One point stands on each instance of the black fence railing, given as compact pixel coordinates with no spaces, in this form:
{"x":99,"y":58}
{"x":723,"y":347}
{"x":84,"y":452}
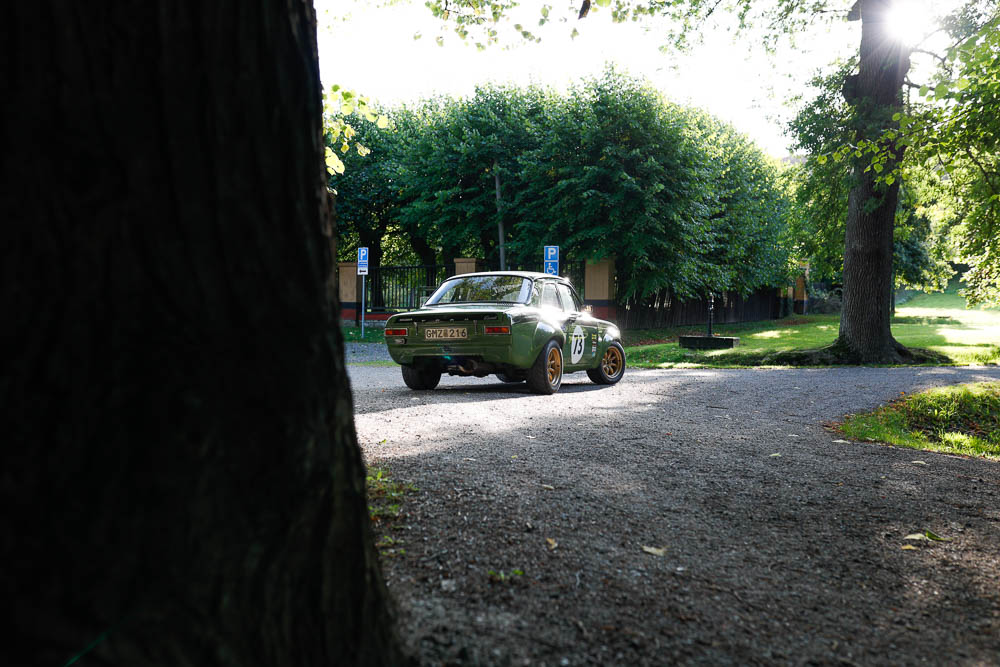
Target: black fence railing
{"x":664,"y":310}
{"x":400,"y":288}
{"x":391,"y":289}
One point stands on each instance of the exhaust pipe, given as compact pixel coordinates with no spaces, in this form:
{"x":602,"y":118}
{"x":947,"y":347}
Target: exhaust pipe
{"x":465,"y":366}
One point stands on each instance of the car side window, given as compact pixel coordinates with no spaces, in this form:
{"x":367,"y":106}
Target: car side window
{"x":566,"y":296}
{"x":550,"y":298}
{"x":536,"y":296}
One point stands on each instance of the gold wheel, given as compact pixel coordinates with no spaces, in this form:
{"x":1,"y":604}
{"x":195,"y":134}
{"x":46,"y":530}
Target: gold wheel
{"x":554,"y":365}
{"x":612,"y":361}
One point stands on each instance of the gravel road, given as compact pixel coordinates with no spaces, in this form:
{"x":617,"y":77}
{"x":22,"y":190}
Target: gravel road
{"x":681,"y":517}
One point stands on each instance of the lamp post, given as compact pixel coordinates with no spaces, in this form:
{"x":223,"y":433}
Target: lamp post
{"x":711,"y":311}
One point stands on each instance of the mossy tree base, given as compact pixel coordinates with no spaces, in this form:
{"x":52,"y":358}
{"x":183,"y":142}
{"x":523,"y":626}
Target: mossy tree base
{"x":840,"y":354}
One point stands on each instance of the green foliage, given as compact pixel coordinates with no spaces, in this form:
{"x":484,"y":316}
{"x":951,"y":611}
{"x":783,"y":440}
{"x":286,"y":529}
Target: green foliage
{"x":365,"y":185}
{"x":821,"y":188}
{"x":949,"y":204}
{"x":450,"y":165}
{"x":385,"y":495}
{"x":339,"y":105}
{"x":501,"y":577}
{"x":682,"y":200}
{"x":955,"y":129}
{"x":481,"y":21}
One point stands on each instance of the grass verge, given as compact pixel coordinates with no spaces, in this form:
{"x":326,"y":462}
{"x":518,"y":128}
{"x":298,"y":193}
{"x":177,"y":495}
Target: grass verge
{"x":937,"y":322}
{"x":373,"y":334}
{"x":963,"y":419}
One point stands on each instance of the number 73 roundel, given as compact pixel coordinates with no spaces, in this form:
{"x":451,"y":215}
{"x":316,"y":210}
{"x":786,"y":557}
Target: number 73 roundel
{"x":577,"y":343}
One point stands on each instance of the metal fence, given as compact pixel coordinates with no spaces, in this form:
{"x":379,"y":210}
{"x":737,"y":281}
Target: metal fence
{"x":399,"y":288}
{"x":664,"y":310}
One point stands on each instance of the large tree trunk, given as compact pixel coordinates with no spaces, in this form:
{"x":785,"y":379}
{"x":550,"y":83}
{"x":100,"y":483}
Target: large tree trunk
{"x":181,"y":482}
{"x":876,"y":94}
{"x":427,"y":254}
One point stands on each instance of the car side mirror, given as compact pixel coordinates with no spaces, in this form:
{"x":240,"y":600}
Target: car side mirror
{"x":423,"y":300}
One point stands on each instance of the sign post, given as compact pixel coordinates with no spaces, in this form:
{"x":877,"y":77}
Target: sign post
{"x":362,"y":271}
{"x":550,"y":260}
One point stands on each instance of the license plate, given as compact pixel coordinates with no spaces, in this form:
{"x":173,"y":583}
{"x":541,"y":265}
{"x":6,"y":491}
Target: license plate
{"x":446,"y":333}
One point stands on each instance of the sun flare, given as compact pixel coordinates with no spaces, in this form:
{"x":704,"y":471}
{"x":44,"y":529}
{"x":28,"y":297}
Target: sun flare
{"x":910,"y":21}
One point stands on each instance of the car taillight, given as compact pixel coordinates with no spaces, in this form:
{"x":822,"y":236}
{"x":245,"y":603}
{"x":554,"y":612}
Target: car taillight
{"x":395,"y":332}
{"x":498,"y":330}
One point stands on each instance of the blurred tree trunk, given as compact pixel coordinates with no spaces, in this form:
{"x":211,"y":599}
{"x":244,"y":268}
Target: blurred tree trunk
{"x":181,"y":482}
{"x":876,"y":94}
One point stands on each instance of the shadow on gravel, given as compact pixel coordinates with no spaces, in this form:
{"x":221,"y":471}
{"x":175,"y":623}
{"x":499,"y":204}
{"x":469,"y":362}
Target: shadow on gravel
{"x":756,"y":558}
{"x":462,"y":393}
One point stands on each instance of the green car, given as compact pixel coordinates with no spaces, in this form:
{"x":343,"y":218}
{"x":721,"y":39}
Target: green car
{"x":520,"y":326}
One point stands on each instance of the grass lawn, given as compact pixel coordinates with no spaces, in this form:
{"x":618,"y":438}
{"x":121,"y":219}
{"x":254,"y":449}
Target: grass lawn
{"x":962,"y":420}
{"x":374,"y":334}
{"x":939,"y":322}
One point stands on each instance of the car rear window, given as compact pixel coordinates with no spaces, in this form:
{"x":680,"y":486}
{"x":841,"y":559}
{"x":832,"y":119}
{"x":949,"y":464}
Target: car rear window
{"x":482,"y":289}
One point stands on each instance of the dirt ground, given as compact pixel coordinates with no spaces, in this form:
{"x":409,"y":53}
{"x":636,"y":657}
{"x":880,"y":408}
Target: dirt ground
{"x":680,"y":517}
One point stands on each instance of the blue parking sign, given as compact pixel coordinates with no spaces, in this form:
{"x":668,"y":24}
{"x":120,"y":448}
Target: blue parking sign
{"x":550,"y":260}
{"x":362,"y":261}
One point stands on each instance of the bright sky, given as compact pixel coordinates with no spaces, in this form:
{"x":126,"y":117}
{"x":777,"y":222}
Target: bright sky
{"x":374,"y":53}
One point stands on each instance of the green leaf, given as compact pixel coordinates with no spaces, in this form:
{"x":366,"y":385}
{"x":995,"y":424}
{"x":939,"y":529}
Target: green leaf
{"x":897,"y":116}
{"x":936,"y":538}
{"x":821,"y":159}
{"x":962,"y":84}
{"x":382,"y":122}
{"x":333,"y":163}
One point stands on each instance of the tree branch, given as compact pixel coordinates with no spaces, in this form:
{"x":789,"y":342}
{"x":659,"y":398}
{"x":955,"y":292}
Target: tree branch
{"x":941,"y":59}
{"x":987,"y":176}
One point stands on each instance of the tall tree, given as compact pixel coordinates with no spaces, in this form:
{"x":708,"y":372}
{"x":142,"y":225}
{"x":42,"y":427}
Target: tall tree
{"x":875,"y":93}
{"x":181,"y":478}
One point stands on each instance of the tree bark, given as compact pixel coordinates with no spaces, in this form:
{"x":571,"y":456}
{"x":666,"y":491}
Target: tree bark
{"x":876,"y":94}
{"x":181,"y":482}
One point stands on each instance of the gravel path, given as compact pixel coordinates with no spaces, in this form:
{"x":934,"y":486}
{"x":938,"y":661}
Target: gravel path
{"x":361,"y":352}
{"x":681,"y":516}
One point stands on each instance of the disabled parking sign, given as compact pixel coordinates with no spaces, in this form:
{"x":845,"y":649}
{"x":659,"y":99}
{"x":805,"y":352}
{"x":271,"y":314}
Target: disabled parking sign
{"x":550,"y":260}
{"x":362,"y":261}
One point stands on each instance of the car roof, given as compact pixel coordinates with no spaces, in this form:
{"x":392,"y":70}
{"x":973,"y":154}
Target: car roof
{"x":534,"y":275}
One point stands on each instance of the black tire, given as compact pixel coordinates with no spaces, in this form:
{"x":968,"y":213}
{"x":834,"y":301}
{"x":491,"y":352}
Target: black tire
{"x":611,"y":367}
{"x":545,"y":375}
{"x":508,"y":378}
{"x":421,"y":377}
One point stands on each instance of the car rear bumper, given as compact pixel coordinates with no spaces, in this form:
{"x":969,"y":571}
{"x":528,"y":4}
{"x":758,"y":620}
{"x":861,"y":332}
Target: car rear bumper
{"x":503,"y":351}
